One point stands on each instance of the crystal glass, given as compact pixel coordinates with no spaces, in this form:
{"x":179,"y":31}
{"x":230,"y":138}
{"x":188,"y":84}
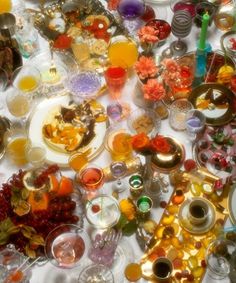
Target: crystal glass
{"x":181,"y":26}
{"x":183,"y":5}
{"x":224,"y":17}
{"x":195,"y":123}
{"x":78,"y":160}
{"x":118,"y":170}
{"x":178,"y":111}
{"x":114,"y":111}
{"x":115,"y":77}
{"x":144,"y":121}
{"x":84,"y":85}
{"x":103,"y":212}
{"x":66,"y":246}
{"x":27,"y":79}
{"x":96,"y":273}
{"x":36,"y":155}
{"x":131,"y":9}
{"x":220,"y":256}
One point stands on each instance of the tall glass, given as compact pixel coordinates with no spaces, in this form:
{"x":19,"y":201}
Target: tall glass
{"x":122,"y":52}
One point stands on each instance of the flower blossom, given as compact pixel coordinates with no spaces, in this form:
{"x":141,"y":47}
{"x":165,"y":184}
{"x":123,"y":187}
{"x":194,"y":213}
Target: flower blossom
{"x":148,"y":34}
{"x":146,"y":67}
{"x":113,"y":4}
{"x":140,"y":142}
{"x":128,"y":209}
{"x":153,"y":90}
{"x":171,"y":70}
{"x":160,"y":144}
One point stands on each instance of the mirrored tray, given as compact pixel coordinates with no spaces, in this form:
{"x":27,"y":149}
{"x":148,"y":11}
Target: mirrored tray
{"x":35,"y":126}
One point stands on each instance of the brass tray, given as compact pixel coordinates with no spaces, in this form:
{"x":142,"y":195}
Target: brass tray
{"x":215,"y":116}
{"x":185,"y":249}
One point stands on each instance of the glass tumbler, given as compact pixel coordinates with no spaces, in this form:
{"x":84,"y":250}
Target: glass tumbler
{"x":178,"y":111}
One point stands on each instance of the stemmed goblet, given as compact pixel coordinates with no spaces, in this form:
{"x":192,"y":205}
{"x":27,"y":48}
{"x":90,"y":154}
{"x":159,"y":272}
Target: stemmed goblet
{"x":181,"y":26}
{"x":118,"y":170}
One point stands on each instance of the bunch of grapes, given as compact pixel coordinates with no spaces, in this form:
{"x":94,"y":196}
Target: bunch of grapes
{"x":42,"y":178}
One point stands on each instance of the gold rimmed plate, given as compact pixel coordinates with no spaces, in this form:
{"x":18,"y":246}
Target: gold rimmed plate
{"x":231,"y":204}
{"x":35,"y":126}
{"x":215,"y":101}
{"x":167,"y":162}
{"x":196,"y":229}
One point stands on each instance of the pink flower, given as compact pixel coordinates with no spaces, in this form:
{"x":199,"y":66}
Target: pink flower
{"x":148,"y":34}
{"x":171,"y":70}
{"x":153,"y":90}
{"x":113,"y":4}
{"x":146,"y":67}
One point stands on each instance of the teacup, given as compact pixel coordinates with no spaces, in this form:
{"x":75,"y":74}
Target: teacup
{"x":198,"y":211}
{"x":162,"y":270}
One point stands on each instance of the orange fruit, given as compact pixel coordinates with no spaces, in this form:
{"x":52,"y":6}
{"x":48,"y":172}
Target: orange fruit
{"x":38,"y":201}
{"x":65,"y":186}
{"x":54,"y":184}
{"x":16,"y":276}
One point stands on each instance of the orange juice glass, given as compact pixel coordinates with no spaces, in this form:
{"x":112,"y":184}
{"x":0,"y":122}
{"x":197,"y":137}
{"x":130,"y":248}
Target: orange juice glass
{"x":17,"y":144}
{"x":118,"y":144}
{"x":122,"y":51}
{"x":78,"y":160}
{"x":5,"y":6}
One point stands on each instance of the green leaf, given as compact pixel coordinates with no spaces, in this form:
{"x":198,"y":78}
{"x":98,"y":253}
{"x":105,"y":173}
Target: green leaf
{"x":28,"y":231}
{"x":6,"y":224}
{"x":37,"y":240}
{"x":3,"y":238}
{"x":13,"y":230}
{"x":15,"y":199}
{"x":29,"y":252}
{"x":25,"y":194}
{"x":130,"y":228}
{"x":122,"y":222}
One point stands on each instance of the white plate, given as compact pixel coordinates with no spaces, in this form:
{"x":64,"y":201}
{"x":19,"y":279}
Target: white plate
{"x":231,"y":204}
{"x":35,"y":131}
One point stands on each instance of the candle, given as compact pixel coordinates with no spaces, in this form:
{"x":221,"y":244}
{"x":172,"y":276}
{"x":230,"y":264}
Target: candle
{"x":203,"y":34}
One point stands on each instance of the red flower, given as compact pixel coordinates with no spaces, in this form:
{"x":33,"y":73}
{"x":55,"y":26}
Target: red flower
{"x":160,"y":144}
{"x":146,"y":67}
{"x":140,"y":142}
{"x":148,"y":34}
{"x":153,"y":90}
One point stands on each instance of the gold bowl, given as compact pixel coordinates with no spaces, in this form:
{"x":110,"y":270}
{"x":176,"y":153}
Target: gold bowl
{"x":167,"y":162}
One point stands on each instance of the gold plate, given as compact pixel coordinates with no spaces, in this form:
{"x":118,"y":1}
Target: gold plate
{"x":196,"y":229}
{"x":167,"y":162}
{"x":216,"y":116}
{"x":231,"y":204}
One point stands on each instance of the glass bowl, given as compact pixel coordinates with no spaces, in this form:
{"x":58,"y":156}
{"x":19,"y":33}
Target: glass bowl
{"x":84,"y":85}
{"x":66,"y":246}
{"x":144,"y":121}
{"x":96,"y":273}
{"x":164,"y":29}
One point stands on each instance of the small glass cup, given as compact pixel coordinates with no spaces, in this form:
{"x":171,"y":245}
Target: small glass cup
{"x":36,"y":155}
{"x":219,"y":257}
{"x":27,"y":79}
{"x":96,"y":273}
{"x":201,"y":8}
{"x":136,"y":185}
{"x":131,"y":9}
{"x":78,"y":160}
{"x":178,"y":111}
{"x":224,"y":18}
{"x":162,"y":270}
{"x":186,"y":5}
{"x":144,"y":205}
{"x":195,"y":123}
{"x":133,"y":272}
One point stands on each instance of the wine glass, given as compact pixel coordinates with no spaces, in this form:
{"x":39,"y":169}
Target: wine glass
{"x":27,"y":79}
{"x":186,"y":5}
{"x":224,"y":17}
{"x":118,"y":170}
{"x":66,"y":246}
{"x":18,"y":104}
{"x":96,"y":273}
{"x":181,"y":26}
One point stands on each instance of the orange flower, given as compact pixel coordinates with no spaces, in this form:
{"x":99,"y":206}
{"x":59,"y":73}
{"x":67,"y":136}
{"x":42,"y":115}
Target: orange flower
{"x":160,"y":144}
{"x":153,"y":90}
{"x":140,"y":142}
{"x":146,"y":67}
{"x":148,"y":34}
{"x":112,"y":4}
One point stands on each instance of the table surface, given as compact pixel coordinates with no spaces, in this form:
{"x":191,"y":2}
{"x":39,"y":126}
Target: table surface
{"x":50,"y":274}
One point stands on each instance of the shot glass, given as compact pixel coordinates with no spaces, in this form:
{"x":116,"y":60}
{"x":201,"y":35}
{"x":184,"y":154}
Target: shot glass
{"x":195,"y":123}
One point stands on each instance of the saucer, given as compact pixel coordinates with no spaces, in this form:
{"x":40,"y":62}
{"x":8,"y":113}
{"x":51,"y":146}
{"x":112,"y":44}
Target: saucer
{"x":196,"y":229}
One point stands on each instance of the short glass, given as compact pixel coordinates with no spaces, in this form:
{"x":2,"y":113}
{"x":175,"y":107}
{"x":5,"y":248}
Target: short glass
{"x":224,"y":18}
{"x":36,"y":155}
{"x":219,"y":257}
{"x":103,"y":212}
{"x":200,"y":9}
{"x":186,"y":5}
{"x":131,"y":9}
{"x":195,"y":123}
{"x":178,"y":111}
{"x":133,"y":272}
{"x":66,"y":246}
{"x":17,"y":143}
{"x":27,"y":79}
{"x":96,"y":273}
{"x":162,"y":270}
{"x":78,"y":160}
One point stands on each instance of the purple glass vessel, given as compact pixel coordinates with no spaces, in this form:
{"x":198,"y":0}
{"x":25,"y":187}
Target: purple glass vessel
{"x":131,"y":9}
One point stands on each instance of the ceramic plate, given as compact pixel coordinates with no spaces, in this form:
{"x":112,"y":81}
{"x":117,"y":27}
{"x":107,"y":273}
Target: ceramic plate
{"x":35,"y":126}
{"x":216,"y":114}
{"x":196,"y":229}
{"x":231,"y":204}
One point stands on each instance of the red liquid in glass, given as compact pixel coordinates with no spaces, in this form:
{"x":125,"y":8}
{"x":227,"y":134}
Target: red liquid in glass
{"x":115,"y":79}
{"x":149,"y":14}
{"x":92,"y":178}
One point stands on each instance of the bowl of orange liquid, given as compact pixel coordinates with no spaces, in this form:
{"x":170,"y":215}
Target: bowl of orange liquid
{"x":118,"y":143}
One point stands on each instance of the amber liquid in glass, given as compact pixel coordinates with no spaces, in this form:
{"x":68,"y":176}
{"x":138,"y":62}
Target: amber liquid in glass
{"x":92,"y":178}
